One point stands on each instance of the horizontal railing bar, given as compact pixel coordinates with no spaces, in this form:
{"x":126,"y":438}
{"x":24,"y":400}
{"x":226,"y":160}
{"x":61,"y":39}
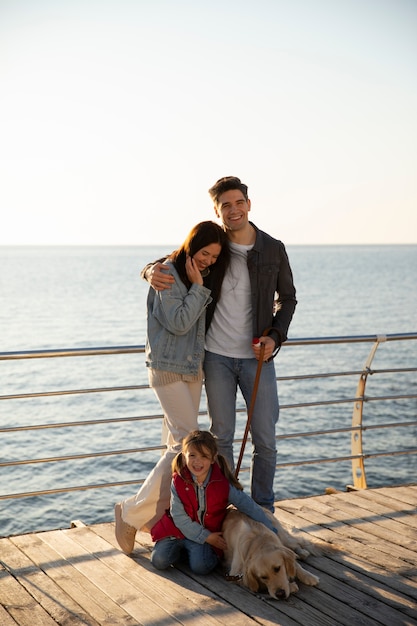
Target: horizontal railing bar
{"x":71,"y":392}
{"x":346,"y":401}
{"x":75,"y":457}
{"x":345,"y":458}
{"x":399,"y":370}
{"x":66,"y":352}
{"x":334,"y":431}
{"x":243,"y":469}
{"x":95,"y":351}
{"x":405,"y":396}
{"x":298,"y":377}
{"x":374,"y":455}
{"x":64,"y":392}
{"x":12,"y":429}
{"x":101,"y":351}
{"x":47,"y":492}
{"x":350,"y":339}
{"x":67,"y":392}
{"x":306,"y":434}
{"x":238,"y":410}
{"x":394,"y":370}
{"x":387,"y":425}
{"x":319,"y":375}
{"x":110,"y":420}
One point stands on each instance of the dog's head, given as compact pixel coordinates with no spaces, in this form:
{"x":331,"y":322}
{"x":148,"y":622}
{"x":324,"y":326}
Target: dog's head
{"x":272,"y":571}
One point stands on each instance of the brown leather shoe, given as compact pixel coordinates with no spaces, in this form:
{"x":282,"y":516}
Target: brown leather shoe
{"x":125,"y":534}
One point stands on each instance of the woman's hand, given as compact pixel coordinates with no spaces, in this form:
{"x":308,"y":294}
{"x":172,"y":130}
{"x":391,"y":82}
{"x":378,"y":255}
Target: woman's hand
{"x":193,"y":273}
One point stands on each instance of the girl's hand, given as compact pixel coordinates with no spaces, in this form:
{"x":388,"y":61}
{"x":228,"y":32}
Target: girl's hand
{"x":216,"y":540}
{"x":193,"y":273}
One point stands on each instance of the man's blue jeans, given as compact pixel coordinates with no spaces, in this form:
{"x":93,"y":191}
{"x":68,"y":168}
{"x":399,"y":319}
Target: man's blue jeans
{"x":201,"y":557}
{"x":223,"y":376}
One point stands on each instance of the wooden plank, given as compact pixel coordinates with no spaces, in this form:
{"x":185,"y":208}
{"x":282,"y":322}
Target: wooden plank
{"x":385,"y":505}
{"x":342,"y":549}
{"x":264,"y":611}
{"x":58,"y":604}
{"x":341,"y":587}
{"x":158,"y":587}
{"x":367,"y":574}
{"x":397,"y":532}
{"x":237,"y":608}
{"x":82,"y":590}
{"x":19,"y":604}
{"x":403,"y":493}
{"x":355,"y":602}
{"x":119,"y":591}
{"x":341,"y":572}
{"x":5,"y":618}
{"x":318,"y":605}
{"x":348,"y":538}
{"x":251,"y":605}
{"x":268,"y":611}
{"x":359,"y":529}
{"x":310,"y":605}
{"x":389,"y":498}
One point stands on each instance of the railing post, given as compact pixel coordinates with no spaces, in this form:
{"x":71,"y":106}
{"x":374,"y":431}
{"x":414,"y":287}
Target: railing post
{"x":358,"y":463}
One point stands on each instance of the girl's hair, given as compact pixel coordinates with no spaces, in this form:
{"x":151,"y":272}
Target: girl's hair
{"x":201,"y":235}
{"x":204,"y":441}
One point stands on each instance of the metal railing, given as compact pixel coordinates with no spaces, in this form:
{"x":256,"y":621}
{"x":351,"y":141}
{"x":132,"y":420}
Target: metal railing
{"x":356,"y":428}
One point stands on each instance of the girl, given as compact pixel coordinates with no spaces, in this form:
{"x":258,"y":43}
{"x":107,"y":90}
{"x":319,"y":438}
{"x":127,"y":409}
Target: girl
{"x":176,"y":320}
{"x":202,"y":487}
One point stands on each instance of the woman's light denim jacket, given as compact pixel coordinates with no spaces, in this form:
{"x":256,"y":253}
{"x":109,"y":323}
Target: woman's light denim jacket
{"x":176,"y":326}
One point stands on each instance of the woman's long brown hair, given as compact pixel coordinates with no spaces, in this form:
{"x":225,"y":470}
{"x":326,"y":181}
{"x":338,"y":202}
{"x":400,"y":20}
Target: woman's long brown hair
{"x":201,"y":235}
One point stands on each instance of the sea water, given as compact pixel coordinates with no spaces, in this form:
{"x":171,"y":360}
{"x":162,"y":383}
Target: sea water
{"x":75,"y":297}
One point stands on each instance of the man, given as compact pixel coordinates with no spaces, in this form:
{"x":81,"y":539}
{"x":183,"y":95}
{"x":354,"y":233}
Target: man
{"x":257,"y":299}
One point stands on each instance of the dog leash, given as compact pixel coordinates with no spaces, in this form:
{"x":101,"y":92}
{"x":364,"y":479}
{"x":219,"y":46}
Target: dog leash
{"x":252,"y":401}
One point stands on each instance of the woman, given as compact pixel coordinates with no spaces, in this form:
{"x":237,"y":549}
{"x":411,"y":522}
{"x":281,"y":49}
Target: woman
{"x":176,"y":320}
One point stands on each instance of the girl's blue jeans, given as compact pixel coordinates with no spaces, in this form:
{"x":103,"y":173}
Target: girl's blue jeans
{"x":202,"y":558}
{"x":223,"y":376}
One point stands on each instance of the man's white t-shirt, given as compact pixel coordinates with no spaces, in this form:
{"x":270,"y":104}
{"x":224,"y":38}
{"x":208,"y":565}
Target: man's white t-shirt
{"x":230,"y":331}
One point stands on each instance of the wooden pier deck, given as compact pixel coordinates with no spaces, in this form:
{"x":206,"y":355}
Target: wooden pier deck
{"x":79,"y":576}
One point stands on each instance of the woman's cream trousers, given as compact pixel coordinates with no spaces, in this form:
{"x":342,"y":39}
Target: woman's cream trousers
{"x":180,"y":402}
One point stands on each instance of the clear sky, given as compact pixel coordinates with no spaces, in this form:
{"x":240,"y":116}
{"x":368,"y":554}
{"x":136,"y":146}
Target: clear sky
{"x":116,"y":116}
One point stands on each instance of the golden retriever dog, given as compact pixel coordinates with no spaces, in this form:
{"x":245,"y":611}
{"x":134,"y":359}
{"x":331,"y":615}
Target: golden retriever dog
{"x":262,"y":560}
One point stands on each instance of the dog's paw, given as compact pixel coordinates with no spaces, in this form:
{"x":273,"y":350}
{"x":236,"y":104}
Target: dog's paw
{"x":306,"y":577}
{"x":311,"y":579}
{"x":302,"y":553}
{"x":293,"y":587}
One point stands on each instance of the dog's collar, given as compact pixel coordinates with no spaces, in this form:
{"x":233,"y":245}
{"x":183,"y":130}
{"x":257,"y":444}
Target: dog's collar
{"x":233,"y":579}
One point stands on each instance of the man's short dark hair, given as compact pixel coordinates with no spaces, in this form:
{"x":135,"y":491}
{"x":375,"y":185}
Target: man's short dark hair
{"x":226,"y":184}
